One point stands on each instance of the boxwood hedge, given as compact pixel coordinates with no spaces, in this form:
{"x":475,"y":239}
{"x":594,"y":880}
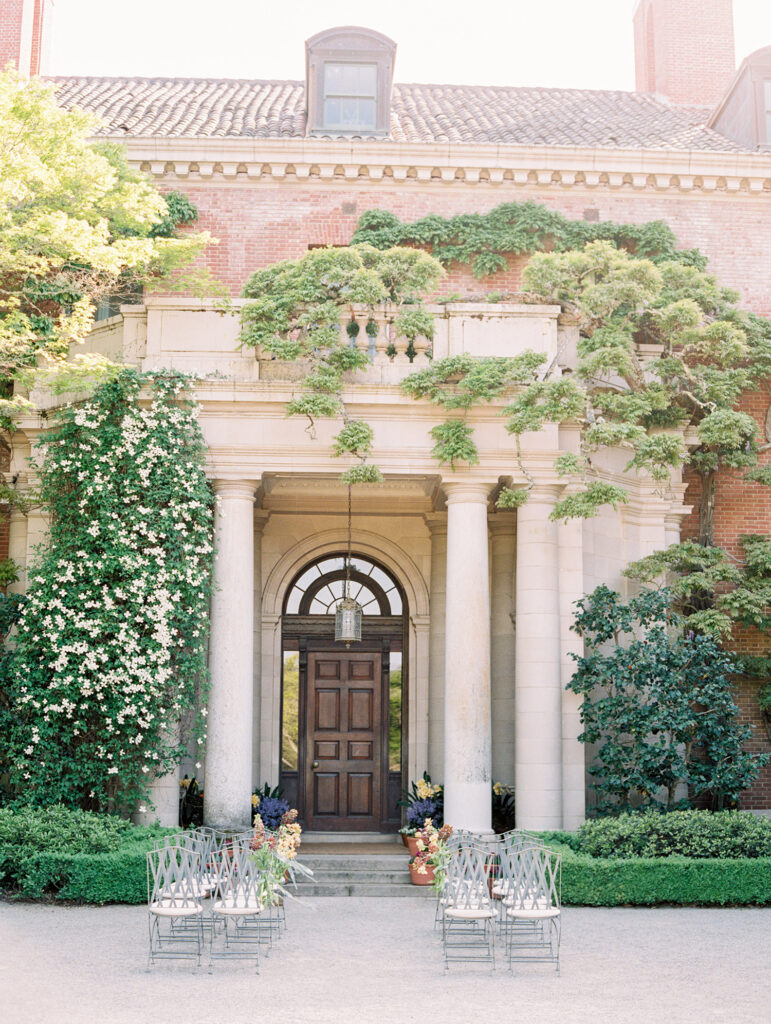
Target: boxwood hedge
{"x":73,"y":855}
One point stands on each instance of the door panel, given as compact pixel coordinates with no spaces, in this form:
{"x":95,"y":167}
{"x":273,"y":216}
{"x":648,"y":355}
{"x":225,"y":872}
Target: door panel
{"x":345,"y":772}
{"x":327,"y":714}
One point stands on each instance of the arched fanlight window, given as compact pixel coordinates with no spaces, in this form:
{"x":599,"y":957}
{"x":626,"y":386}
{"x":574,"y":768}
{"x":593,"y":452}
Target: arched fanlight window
{"x":319,"y":588}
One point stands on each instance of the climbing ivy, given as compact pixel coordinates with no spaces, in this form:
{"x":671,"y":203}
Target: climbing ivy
{"x":296,"y":311}
{"x":485,"y":240}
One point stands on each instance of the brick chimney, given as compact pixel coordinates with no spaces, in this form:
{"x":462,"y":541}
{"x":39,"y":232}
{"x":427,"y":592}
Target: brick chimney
{"x":684,"y":49}
{"x":25,"y":32}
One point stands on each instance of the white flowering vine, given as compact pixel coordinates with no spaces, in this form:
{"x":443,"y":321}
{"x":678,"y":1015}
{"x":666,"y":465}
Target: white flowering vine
{"x":108,"y":674}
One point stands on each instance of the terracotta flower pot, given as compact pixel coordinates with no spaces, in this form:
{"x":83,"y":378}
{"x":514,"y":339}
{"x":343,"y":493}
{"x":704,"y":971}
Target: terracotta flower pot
{"x":421,"y":879}
{"x":411,"y":843}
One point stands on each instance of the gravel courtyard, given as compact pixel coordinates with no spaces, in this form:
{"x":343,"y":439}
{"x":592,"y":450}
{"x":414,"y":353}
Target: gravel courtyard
{"x":377,"y":961}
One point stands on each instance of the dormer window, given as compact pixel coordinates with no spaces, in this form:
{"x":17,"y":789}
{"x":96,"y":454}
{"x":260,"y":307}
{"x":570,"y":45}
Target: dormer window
{"x":349,"y":72}
{"x":350,"y":97}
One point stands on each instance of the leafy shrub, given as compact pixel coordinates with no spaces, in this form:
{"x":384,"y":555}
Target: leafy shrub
{"x":695,"y":834}
{"x":59,"y":829}
{"x":74,"y":855}
{"x":659,"y":705}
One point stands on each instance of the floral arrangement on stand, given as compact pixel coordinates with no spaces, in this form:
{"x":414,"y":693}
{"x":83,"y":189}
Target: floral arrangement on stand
{"x":275,"y":853}
{"x":428,"y":863}
{"x":424,"y":799}
{"x":270,"y":805}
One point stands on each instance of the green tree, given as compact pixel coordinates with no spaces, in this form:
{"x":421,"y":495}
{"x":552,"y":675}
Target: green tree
{"x":77,"y":223}
{"x":658,"y":703}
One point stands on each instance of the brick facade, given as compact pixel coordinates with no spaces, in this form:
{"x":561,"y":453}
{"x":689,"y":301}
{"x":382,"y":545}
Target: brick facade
{"x":258,"y":223}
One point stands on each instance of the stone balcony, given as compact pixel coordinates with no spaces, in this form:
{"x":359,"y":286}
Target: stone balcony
{"x":193,"y":336}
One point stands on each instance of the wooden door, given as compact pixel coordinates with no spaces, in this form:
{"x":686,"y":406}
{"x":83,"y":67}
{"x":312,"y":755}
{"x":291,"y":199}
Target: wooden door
{"x":344,"y":771}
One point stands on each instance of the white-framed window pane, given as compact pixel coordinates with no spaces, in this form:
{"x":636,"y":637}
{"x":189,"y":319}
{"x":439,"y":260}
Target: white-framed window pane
{"x":332,"y":112}
{"x":350,"y":79}
{"x":293,"y":604}
{"x":366,"y":113}
{"x":396,"y":602}
{"x":349,"y":112}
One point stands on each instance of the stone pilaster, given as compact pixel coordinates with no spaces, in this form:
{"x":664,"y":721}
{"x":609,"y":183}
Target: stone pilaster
{"x":467,"y":737}
{"x":503,"y":533}
{"x":437,"y":525}
{"x":538,"y":734}
{"x":260,"y":522}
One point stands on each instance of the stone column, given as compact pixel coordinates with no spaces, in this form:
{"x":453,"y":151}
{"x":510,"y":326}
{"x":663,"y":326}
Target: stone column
{"x":228,"y":781}
{"x":503,"y":531}
{"x":571,"y":580}
{"x":437,"y":525}
{"x":538,"y":733}
{"x":467,"y":739}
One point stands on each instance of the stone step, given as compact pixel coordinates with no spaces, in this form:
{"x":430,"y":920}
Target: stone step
{"x":358,"y":874}
{"x":365,"y":889}
{"x":364,"y":864}
{"x":360,"y":877}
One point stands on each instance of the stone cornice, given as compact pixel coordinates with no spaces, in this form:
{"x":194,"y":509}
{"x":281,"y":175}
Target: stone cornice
{"x":334,"y":161}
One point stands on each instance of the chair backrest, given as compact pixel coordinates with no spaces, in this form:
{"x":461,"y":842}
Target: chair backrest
{"x":238,"y":881}
{"x":532,"y":876}
{"x":173,"y":870}
{"x":467,"y":884}
{"x":519,"y":839}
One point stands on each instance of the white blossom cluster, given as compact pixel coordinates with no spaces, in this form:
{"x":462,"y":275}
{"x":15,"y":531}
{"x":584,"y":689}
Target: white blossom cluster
{"x":111,"y":647}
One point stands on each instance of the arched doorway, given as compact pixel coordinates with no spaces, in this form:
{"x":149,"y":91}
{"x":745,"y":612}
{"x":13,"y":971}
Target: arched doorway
{"x":343,"y":711}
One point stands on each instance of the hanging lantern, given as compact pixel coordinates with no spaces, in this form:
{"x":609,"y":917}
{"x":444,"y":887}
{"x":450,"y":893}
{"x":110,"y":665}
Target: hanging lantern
{"x":348,"y":612}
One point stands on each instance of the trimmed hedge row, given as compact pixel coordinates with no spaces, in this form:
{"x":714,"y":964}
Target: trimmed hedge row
{"x":119,"y":877}
{"x":647,"y":881}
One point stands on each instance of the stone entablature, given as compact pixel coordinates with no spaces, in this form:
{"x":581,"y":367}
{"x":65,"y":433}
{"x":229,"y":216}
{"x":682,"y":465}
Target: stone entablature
{"x":572,"y":167}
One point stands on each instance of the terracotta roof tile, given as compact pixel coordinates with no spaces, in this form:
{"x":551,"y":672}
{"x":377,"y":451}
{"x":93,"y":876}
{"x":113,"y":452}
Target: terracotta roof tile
{"x":239,"y":108}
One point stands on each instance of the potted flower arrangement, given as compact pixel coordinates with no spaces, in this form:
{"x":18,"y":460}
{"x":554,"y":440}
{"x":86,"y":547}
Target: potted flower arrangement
{"x":270,"y":806}
{"x":427,"y":863}
{"x":424,"y":799}
{"x":274,"y":851}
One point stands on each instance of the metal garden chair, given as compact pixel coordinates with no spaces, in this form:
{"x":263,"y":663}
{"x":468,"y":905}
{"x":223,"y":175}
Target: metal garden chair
{"x":532,"y":877}
{"x":174,"y":903}
{"x":239,"y":901}
{"x":468,"y":913}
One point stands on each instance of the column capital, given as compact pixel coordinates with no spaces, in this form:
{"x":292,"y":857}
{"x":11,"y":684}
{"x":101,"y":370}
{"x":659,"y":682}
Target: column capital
{"x":436,"y":522}
{"x":244,"y":489}
{"x":471,"y":491}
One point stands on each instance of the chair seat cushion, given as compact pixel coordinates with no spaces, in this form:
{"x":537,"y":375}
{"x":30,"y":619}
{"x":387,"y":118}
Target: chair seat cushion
{"x":237,"y":908}
{"x":471,"y":913}
{"x":170,"y":908}
{"x":535,"y":914}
